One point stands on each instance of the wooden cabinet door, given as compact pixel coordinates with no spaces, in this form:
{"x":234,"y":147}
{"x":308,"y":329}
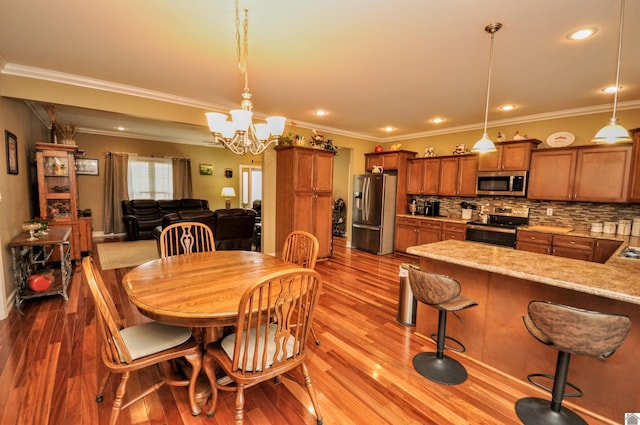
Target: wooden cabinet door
{"x":533,"y":247}
{"x":323,"y":172}
{"x":552,"y":174}
{"x":429,"y":231}
{"x":604,"y":249}
{"x":467,"y":170}
{"x":406,"y":236}
{"x":491,"y":161}
{"x":454,"y":231}
{"x":304,"y":175}
{"x":516,"y":157}
{"x":414,"y":177}
{"x":576,"y":254}
{"x":448,"y":181}
{"x":430,"y":176}
{"x":602,"y":174}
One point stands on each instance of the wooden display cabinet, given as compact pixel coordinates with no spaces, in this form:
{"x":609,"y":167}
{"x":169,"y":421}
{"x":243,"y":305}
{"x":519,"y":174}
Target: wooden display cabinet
{"x":57,"y":189}
{"x":304,"y":195}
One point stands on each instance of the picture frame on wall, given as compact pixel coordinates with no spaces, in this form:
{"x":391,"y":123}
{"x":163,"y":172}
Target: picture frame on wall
{"x":87,"y":166}
{"x":206,"y":169}
{"x":12,"y":152}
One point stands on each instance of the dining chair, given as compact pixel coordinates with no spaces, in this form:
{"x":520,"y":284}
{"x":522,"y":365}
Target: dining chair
{"x":261,"y":348}
{"x":301,"y":248}
{"x":129,"y":348}
{"x":186,"y":237}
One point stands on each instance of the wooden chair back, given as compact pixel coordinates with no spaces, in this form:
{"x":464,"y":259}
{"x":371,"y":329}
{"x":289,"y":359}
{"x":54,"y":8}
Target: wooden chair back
{"x":186,"y":237}
{"x":109,"y":321}
{"x":273,"y":323}
{"x":301,"y":248}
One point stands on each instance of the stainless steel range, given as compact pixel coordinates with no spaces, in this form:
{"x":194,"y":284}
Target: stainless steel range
{"x":498,"y":225}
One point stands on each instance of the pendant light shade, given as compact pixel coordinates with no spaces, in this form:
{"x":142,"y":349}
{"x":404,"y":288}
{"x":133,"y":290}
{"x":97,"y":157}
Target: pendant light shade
{"x":614,"y":132}
{"x":485,"y":144}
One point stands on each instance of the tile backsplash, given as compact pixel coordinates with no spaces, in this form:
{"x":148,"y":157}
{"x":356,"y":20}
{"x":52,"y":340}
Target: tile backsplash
{"x":578,"y":215}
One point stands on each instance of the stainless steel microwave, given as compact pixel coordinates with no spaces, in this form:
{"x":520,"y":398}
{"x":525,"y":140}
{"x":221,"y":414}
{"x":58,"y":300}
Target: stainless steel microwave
{"x":502,"y":183}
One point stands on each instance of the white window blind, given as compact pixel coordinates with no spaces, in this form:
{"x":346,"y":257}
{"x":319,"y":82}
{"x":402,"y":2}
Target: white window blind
{"x":150,"y":178}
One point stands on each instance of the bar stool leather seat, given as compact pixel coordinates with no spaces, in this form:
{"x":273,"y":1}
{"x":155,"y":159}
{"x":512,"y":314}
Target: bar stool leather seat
{"x":569,"y":330}
{"x":443,"y":293}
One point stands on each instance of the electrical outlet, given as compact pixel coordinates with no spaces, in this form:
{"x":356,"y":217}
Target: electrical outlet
{"x":549,"y":211}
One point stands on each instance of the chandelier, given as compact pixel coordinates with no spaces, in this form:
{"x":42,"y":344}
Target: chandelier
{"x":485,"y":144}
{"x":241,"y":135}
{"x":614,"y":132}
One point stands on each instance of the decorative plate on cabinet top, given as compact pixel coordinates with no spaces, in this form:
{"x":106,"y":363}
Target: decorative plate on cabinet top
{"x":560,"y":139}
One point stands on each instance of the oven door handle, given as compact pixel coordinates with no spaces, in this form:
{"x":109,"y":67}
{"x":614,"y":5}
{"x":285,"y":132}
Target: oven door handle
{"x":491,"y":229}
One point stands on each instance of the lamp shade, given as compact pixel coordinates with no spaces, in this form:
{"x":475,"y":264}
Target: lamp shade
{"x":228,"y":192}
{"x":612,"y":133}
{"x":484,"y":145}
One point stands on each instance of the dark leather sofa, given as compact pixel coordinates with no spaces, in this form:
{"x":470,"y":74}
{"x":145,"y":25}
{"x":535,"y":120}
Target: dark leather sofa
{"x":142,"y":216}
{"x":232,"y":228}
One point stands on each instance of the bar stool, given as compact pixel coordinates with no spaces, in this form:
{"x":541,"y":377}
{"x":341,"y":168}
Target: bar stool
{"x":569,"y":330}
{"x":443,"y":293}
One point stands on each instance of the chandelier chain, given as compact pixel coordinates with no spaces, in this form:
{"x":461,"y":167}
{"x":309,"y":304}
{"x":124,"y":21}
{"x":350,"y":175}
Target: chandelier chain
{"x":242,"y":45}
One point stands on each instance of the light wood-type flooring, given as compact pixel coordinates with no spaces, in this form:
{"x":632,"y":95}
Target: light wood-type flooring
{"x":362,"y":371}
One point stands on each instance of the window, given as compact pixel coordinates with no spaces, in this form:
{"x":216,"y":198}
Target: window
{"x":150,"y":178}
{"x":250,"y":184}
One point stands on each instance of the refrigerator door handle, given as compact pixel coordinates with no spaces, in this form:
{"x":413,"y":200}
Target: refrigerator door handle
{"x":366,"y":198}
{"x":366,"y":226}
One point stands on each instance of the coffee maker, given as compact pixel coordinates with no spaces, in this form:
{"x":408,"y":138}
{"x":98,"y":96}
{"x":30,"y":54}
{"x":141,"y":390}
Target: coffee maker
{"x":432,"y":208}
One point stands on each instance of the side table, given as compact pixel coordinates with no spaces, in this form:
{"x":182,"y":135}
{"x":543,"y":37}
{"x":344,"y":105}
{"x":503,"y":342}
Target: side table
{"x":30,"y":257}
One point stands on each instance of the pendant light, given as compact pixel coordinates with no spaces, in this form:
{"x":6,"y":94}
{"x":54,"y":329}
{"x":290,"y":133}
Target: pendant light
{"x":614,"y":132}
{"x":485,"y":144}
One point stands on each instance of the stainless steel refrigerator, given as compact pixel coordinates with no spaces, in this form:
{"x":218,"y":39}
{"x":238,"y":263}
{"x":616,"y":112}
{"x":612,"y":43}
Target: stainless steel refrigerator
{"x":374,"y":210}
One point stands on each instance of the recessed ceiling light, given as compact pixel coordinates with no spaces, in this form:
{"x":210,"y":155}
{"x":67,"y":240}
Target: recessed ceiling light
{"x":389,"y":129}
{"x":121,"y":128}
{"x":507,"y":107}
{"x":581,"y":34}
{"x":611,"y":89}
{"x":437,"y":120}
{"x":321,"y":112}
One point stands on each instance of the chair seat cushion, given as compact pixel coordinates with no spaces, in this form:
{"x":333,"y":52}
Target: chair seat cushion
{"x":229,"y":341}
{"x":153,"y":337}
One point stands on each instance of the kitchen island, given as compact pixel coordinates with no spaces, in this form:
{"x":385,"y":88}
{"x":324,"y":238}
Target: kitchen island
{"x":503,"y":281}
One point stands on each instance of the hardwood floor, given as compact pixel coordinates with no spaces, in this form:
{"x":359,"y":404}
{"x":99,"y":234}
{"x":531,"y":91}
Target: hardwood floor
{"x":362,"y":371}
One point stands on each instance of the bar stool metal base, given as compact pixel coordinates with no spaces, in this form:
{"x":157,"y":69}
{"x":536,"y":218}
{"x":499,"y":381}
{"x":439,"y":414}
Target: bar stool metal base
{"x":446,"y":370}
{"x":537,"y":411}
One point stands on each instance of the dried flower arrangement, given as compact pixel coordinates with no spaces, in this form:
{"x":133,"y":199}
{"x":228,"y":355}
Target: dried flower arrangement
{"x":67,"y":132}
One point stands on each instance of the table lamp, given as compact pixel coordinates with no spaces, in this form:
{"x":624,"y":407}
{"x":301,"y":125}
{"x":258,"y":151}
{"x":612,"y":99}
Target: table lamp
{"x":228,"y":193}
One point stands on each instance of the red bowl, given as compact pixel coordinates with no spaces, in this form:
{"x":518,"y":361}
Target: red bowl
{"x":39,"y":283}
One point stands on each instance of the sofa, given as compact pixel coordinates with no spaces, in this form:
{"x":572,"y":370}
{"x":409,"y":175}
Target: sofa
{"x":232,"y":228}
{"x":142,"y":216}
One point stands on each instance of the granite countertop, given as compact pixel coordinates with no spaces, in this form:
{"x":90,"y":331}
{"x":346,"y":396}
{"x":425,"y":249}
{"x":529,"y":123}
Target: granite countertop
{"x":438,"y":218}
{"x":616,"y":279}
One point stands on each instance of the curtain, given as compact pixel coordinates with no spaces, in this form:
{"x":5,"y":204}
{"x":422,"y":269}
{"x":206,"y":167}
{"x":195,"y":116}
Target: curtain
{"x":182,"y":187}
{"x":116,"y":190}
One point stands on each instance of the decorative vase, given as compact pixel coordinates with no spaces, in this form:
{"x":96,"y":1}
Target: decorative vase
{"x":68,"y":142}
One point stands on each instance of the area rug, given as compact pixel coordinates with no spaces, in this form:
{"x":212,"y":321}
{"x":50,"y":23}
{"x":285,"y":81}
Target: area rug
{"x":115,"y":255}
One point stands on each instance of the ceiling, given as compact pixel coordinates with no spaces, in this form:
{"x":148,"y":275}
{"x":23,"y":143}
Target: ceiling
{"x":369,"y":63}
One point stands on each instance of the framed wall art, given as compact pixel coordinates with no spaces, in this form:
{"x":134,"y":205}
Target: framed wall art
{"x":206,"y":169}
{"x":87,"y":166}
{"x":12,"y":152}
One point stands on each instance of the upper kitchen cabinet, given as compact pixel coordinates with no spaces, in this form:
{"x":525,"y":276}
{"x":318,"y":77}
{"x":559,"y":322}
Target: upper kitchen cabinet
{"x":510,"y":156}
{"x":591,"y":174}
{"x":392,"y":160}
{"x":634,"y":193}
{"x":423,"y":175}
{"x":458,"y":175}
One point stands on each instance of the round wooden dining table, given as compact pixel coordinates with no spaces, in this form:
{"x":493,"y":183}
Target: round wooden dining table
{"x":198,"y":290}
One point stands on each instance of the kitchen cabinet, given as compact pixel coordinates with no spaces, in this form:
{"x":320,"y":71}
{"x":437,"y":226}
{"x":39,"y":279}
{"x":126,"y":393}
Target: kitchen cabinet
{"x":456,"y":231}
{"x":538,"y":242}
{"x":57,"y":189}
{"x":575,"y":247}
{"x":392,"y":160}
{"x":604,"y":249}
{"x":591,"y":174}
{"x":85,"y":230}
{"x":423,"y":176}
{"x":304,"y":194}
{"x":458,"y":175}
{"x":510,"y":156}
{"x":634,"y":192}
